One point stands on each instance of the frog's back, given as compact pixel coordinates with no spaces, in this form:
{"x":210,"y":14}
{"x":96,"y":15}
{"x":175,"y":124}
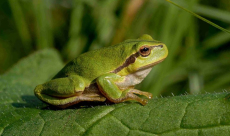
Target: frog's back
{"x":93,"y":64}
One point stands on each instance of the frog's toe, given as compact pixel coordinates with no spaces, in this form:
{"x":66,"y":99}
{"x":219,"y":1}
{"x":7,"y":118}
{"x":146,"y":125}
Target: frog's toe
{"x":146,"y":94}
{"x":149,"y":96}
{"x":144,"y":102}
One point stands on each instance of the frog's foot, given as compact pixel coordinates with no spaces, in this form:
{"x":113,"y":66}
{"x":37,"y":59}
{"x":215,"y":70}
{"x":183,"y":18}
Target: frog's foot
{"x":131,"y":96}
{"x":128,"y":95}
{"x":146,"y":94}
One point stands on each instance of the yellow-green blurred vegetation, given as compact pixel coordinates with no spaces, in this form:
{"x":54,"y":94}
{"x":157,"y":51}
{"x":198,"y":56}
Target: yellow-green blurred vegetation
{"x":199,"y":54}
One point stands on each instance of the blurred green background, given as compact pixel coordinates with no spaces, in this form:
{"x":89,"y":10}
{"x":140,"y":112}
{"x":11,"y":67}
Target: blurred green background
{"x":199,"y":54}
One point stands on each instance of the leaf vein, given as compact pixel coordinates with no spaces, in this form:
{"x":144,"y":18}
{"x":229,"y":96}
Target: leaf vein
{"x":97,"y":122}
{"x":42,"y":125}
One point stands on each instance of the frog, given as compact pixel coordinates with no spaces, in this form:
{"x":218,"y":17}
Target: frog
{"x":108,"y":74}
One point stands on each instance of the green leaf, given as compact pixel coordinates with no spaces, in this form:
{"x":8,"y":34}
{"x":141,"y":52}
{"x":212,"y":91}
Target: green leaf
{"x":21,"y":113}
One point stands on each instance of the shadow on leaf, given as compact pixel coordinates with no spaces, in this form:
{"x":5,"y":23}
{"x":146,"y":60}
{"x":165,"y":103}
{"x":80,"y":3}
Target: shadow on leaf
{"x":30,"y":102}
{"x":80,"y":105}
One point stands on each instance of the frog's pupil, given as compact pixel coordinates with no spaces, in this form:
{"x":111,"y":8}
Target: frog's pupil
{"x":145,"y":49}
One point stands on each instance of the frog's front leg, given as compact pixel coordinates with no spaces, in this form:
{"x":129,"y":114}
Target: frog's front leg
{"x":107,"y":84}
{"x":64,"y":92}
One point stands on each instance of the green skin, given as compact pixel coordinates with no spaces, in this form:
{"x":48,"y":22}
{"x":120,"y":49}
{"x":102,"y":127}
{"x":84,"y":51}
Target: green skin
{"x":108,"y":73}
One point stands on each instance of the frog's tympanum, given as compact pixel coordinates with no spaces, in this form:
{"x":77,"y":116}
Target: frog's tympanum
{"x":109,"y":73}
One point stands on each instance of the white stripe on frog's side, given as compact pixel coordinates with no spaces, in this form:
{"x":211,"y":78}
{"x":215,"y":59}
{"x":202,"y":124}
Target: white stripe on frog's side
{"x":134,"y":78}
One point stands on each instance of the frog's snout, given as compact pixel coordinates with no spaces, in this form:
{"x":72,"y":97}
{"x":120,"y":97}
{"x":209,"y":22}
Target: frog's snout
{"x":161,"y":46}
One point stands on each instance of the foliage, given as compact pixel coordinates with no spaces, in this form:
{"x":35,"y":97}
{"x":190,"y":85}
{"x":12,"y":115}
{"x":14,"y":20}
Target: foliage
{"x":22,"y":114}
{"x":198,"y":58}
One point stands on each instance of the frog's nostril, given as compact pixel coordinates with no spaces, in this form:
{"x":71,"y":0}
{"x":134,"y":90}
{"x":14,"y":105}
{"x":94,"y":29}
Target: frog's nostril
{"x":160,"y":46}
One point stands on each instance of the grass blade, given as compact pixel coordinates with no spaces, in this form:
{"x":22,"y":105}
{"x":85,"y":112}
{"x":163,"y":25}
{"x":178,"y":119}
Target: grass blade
{"x":21,"y":24}
{"x":200,"y":17}
{"x":216,"y":40}
{"x":77,"y":42}
{"x":43,"y":24}
{"x":213,"y":13}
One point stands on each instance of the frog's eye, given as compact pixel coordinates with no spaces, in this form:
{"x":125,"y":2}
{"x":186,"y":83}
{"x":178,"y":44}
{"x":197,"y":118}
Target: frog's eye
{"x":145,"y":50}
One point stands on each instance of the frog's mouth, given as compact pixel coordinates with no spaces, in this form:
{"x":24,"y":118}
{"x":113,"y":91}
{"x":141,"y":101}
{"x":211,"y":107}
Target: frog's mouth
{"x":150,"y":65}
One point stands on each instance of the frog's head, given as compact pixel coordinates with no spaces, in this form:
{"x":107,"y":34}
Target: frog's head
{"x":146,"y":53}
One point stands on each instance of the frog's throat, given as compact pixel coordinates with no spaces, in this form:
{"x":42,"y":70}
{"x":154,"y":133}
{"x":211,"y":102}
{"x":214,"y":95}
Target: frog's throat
{"x":150,"y":65}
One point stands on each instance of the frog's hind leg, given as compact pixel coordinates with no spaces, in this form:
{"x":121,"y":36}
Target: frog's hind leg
{"x":69,"y":101}
{"x":76,"y":99}
{"x":64,"y":92}
{"x":62,"y":87}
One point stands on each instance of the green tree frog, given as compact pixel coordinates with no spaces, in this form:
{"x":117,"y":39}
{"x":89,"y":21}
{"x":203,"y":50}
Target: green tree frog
{"x":109,"y":73}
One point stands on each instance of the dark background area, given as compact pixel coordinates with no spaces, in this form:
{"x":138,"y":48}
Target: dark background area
{"x":199,"y":54}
